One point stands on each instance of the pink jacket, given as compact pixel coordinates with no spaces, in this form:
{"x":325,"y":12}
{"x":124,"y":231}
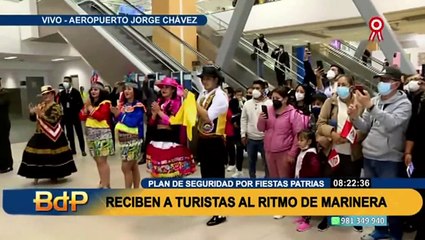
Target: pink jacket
{"x":281,"y":131}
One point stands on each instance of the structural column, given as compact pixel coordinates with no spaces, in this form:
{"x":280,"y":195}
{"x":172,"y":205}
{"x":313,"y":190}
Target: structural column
{"x":187,"y":34}
{"x":234,"y":32}
{"x":390,"y":44}
{"x":363,"y":45}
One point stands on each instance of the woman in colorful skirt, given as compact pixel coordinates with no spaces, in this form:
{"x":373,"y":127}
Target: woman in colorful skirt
{"x":97,"y":114}
{"x":47,"y":154}
{"x":167,"y":154}
{"x":129,"y":132}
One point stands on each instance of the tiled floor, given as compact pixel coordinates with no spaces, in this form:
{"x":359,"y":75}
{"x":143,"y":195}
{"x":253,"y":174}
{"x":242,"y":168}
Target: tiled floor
{"x":136,"y":228}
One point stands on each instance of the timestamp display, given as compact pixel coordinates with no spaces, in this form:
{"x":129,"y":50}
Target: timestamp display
{"x":365,"y":221}
{"x":351,"y":183}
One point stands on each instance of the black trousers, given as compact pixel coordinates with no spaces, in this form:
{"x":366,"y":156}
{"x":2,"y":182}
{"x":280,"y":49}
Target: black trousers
{"x":72,"y":122}
{"x":6,"y":160}
{"x":280,"y":77}
{"x":419,"y":218}
{"x":212,"y":155}
{"x":235,"y":151}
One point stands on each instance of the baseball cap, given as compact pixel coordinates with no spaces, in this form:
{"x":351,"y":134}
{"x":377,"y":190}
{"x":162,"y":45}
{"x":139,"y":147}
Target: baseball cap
{"x":390,"y":72}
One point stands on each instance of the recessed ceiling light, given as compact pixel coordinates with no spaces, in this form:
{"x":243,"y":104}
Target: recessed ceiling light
{"x":11,"y":57}
{"x":57,"y":59}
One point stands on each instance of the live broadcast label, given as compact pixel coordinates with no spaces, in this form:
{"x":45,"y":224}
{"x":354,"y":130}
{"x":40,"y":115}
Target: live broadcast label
{"x":201,"y":202}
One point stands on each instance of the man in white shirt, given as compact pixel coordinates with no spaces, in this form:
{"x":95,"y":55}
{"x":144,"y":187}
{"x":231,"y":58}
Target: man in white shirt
{"x":212,"y":112}
{"x":251,"y":137}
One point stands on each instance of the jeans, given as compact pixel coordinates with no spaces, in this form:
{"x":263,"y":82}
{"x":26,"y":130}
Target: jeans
{"x":386,"y":169}
{"x":253,"y":148}
{"x":260,"y":66}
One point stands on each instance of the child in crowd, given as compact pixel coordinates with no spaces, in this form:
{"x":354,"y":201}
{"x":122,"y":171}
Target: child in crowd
{"x":307,"y":166}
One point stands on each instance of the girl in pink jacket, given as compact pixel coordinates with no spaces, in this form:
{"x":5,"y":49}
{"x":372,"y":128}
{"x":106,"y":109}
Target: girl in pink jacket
{"x":281,"y":124}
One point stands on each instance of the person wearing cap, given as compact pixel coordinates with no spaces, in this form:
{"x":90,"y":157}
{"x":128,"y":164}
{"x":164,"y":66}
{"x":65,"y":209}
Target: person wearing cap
{"x":47,"y":154}
{"x":167,"y":154}
{"x":97,"y":114}
{"x":129,"y":131}
{"x":212,"y":112}
{"x":385,"y":121}
{"x":6,"y":161}
{"x":72,"y":104}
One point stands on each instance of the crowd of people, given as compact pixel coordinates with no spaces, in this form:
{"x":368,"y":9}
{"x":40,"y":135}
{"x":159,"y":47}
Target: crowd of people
{"x":336,"y":129}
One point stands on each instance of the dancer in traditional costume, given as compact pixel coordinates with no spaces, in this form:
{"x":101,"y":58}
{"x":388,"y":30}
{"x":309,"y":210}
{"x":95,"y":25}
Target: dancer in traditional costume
{"x":47,"y":154}
{"x":97,"y":114}
{"x":129,"y":131}
{"x":167,"y":154}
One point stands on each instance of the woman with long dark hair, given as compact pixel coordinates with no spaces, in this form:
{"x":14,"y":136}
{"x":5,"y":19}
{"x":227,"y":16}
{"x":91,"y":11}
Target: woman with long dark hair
{"x":97,"y":113}
{"x":47,"y":154}
{"x":167,"y":154}
{"x":129,"y":131}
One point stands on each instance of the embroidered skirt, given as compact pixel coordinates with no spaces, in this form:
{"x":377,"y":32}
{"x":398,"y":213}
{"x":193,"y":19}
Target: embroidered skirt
{"x":130,"y":146}
{"x":100,"y":142}
{"x":44,"y":158}
{"x":167,"y":159}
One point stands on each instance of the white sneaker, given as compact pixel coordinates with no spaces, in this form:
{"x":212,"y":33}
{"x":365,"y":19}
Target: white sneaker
{"x":231,"y":168}
{"x":238,"y":174}
{"x":277,"y":217}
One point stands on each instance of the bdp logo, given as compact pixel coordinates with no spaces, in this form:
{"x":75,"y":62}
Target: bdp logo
{"x":45,"y":201}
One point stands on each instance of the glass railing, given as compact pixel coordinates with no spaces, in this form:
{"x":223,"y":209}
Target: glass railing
{"x":352,"y":49}
{"x":218,"y":25}
{"x":176,"y":50}
{"x":231,"y":7}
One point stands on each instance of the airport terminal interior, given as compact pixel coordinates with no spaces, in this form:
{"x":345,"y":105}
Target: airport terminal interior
{"x":244,"y":41}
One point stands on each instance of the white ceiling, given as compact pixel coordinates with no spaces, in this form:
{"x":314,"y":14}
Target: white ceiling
{"x":36,"y":58}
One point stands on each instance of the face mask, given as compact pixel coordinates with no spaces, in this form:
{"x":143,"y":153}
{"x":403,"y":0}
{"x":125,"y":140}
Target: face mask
{"x":66,"y":85}
{"x":315,"y":110}
{"x":413,"y":86}
{"x":343,"y":92}
{"x":299,"y":96}
{"x":256,"y":94}
{"x":330,"y":75}
{"x":277,"y":104}
{"x":248,"y":97}
{"x":384,"y":88}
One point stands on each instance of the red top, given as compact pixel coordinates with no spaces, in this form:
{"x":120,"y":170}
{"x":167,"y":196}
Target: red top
{"x":311,"y":166}
{"x":230,"y":129}
{"x":100,"y":113}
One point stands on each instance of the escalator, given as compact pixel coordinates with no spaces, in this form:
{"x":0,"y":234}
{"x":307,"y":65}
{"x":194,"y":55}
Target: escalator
{"x":210,"y":37}
{"x":116,"y":50}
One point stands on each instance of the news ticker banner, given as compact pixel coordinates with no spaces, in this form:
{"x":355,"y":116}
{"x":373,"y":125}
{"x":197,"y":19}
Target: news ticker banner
{"x":102,"y":20}
{"x":194,"y":197}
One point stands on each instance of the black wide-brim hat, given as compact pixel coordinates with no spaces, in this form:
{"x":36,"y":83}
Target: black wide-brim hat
{"x":210,"y":71}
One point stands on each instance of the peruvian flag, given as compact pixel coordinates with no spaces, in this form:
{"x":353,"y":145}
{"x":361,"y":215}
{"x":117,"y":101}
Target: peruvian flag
{"x":349,"y":132}
{"x":333,"y":158}
{"x":94,"y":77}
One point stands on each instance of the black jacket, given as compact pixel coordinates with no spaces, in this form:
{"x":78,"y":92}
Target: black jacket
{"x":416,"y":132}
{"x":281,"y":57}
{"x":71,"y":102}
{"x":4,"y":113}
{"x":265,"y":47}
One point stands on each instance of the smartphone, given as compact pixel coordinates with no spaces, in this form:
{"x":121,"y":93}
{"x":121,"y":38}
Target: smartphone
{"x":152,"y":83}
{"x":319,"y":64}
{"x":265,"y":111}
{"x":423,"y":70}
{"x":410,"y":169}
{"x":187,"y":82}
{"x":360,"y":88}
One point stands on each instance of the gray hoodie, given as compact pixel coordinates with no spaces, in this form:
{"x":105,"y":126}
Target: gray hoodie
{"x":386,"y":126}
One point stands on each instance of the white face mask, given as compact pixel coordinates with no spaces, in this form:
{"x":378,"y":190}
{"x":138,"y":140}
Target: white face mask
{"x":330,"y":75}
{"x":299,"y":96}
{"x":66,"y":85}
{"x":256,"y":94}
{"x":413,"y":86}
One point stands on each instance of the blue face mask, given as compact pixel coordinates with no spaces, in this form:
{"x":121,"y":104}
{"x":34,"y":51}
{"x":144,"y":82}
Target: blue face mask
{"x":343,"y":92}
{"x":384,"y":88}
